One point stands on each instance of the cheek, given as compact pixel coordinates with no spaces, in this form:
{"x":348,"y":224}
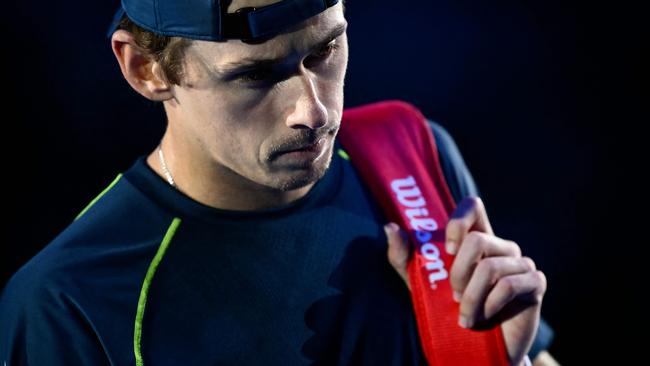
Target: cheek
{"x":341,"y":58}
{"x":210,"y":119}
{"x":218,"y":112}
{"x":336,"y":70}
{"x":239,"y":132}
{"x":233,"y":125}
{"x":331,"y":87}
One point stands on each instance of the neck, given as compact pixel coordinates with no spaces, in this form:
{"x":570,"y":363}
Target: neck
{"x":219,"y":187}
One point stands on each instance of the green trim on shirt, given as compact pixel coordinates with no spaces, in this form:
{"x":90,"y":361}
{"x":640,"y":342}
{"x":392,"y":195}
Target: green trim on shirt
{"x":343,"y":154}
{"x":99,"y":196}
{"x":144,"y":291}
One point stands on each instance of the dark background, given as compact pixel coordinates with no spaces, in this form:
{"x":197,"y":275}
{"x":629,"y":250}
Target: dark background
{"x":542,"y":97}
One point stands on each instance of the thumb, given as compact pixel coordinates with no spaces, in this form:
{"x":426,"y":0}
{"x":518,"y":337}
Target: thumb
{"x":398,"y":250}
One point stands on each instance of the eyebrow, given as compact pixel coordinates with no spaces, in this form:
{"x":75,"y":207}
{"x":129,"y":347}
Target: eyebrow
{"x":250,"y":63}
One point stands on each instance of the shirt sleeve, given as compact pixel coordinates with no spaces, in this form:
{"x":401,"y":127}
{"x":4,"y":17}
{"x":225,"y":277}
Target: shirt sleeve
{"x":462,"y":184}
{"x":458,"y":177}
{"x":42,"y":326}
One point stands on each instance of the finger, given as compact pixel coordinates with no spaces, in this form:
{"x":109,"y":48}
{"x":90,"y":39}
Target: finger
{"x":514,"y":293}
{"x":487,"y":274}
{"x":398,"y":250}
{"x":470,"y":214}
{"x":474,"y":247}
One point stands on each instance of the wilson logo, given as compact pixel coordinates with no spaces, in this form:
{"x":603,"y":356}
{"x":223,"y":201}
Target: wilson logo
{"x":414,"y":206}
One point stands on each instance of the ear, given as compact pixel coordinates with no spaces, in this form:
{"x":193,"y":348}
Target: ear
{"x":142,"y":73}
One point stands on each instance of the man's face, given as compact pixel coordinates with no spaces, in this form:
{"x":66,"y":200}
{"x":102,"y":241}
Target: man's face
{"x":238,"y":119}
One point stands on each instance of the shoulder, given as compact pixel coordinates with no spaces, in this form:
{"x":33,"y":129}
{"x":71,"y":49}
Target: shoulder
{"x":458,"y":176}
{"x":43,"y":319}
{"x":68,"y":288}
{"x":443,"y":138}
{"x":34,"y":297}
{"x":117,"y":229}
{"x":35,"y":284}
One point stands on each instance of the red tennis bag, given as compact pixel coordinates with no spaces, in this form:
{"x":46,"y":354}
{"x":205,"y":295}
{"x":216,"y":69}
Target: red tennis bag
{"x":393,"y":148}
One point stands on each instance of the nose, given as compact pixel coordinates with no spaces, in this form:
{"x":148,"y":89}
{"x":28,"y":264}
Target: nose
{"x":309,"y":111}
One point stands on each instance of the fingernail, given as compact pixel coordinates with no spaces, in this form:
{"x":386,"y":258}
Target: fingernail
{"x":450,"y":247}
{"x":390,"y":227}
{"x":457,"y":296}
{"x":463,"y":322}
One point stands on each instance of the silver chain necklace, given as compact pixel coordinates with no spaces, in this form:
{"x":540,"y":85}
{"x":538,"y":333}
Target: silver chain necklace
{"x":168,"y":175}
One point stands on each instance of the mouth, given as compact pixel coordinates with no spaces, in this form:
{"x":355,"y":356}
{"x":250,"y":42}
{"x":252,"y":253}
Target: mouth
{"x":310,"y":152}
{"x":311,"y":147}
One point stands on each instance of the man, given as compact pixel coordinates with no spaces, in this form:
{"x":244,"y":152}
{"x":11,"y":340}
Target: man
{"x":246,"y":237}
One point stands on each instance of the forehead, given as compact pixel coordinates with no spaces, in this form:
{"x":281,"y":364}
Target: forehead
{"x":294,"y":39}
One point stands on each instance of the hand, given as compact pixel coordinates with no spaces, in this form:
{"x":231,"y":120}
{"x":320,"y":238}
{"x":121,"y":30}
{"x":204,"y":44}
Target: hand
{"x":492,"y":282}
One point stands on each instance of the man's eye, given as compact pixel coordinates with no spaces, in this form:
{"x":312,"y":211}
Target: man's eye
{"x":320,"y":57}
{"x":327,"y":50}
{"x":263,"y":76}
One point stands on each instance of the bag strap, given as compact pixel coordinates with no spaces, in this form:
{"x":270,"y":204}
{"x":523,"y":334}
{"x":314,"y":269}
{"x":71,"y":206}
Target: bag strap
{"x":395,"y":154}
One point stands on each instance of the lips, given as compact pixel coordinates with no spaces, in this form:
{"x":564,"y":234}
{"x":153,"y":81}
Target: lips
{"x":308,"y":153}
{"x":313,"y":147}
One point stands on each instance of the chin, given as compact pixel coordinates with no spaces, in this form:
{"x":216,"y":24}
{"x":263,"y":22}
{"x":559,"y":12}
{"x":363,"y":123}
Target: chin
{"x":296,"y":179}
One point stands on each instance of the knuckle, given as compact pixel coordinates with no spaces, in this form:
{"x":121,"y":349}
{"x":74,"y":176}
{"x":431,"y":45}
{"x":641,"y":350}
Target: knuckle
{"x":529,"y":264}
{"x":514,"y":248}
{"x":508,"y":284}
{"x":458,"y":224}
{"x":489,"y":267}
{"x":475,"y":238}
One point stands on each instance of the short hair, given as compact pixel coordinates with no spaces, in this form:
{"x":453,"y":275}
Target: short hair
{"x":168,"y":51}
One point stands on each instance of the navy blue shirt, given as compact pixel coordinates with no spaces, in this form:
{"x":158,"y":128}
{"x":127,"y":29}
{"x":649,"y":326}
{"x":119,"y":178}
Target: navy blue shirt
{"x":146,"y":270}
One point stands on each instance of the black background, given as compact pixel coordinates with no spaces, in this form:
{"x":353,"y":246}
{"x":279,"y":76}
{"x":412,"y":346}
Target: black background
{"x":542,"y":97}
